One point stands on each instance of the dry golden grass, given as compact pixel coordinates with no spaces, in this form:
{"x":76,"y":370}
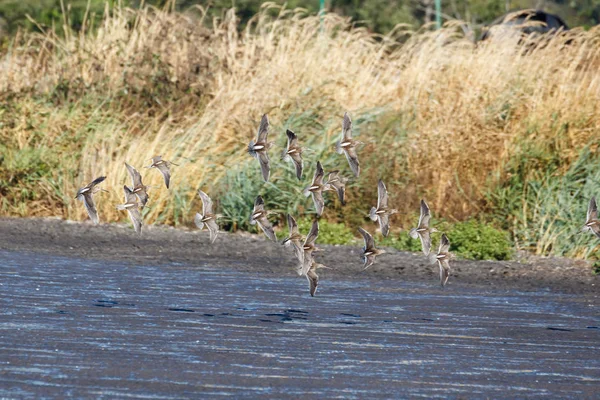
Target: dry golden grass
{"x":165,"y":84}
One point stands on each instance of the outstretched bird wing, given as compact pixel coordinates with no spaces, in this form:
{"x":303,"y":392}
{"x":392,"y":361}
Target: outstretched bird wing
{"x":213,"y":229}
{"x":444,"y":271}
{"x":313,"y":281}
{"x":444,"y":244}
{"x":369,"y":260}
{"x":425,"y":238}
{"x":259,"y":204}
{"x":338,"y":183}
{"x":292,"y":139}
{"x":592,"y":212}
{"x":313,"y":234}
{"x":382,"y":195}
{"x":129,"y":195}
{"x":96,"y":181}
{"x":136,"y":218}
{"x":263,"y":130}
{"x":207,"y":204}
{"x":352,"y":158}
{"x":267,"y":228}
{"x":319,"y":174}
{"x":265,"y":168}
{"x":88,"y":200}
{"x":166,"y":172}
{"x":346,"y":127}
{"x":292,"y":225}
{"x":142,"y":196}
{"x":425,"y":215}
{"x":298,"y":163}
{"x":136,"y":177}
{"x":319,"y":202}
{"x":369,"y":242}
{"x":384,"y":224}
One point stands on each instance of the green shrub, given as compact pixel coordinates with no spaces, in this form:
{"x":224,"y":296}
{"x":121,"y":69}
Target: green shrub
{"x":469,"y":239}
{"x":596,"y":268}
{"x":479,"y":241}
{"x":329,"y":232}
{"x":544,"y":206}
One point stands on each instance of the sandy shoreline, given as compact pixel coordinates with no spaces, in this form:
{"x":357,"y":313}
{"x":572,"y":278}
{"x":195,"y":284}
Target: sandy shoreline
{"x":253,"y":253}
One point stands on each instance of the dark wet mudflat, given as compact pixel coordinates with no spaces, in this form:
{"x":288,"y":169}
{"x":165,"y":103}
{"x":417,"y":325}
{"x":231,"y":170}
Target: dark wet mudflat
{"x":73,"y":327}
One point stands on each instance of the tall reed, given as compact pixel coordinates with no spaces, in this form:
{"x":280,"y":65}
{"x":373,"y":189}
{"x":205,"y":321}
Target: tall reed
{"x":441,"y":117}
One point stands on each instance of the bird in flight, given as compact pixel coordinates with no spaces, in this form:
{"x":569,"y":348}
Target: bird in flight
{"x":259,"y":216}
{"x":312,"y":277}
{"x":347,"y":145}
{"x":316,"y":188}
{"x":382,"y":213}
{"x":139,"y":189}
{"x":338,"y":183}
{"x":293,"y":152}
{"x":163,"y":166}
{"x":133,"y":209}
{"x":423,"y":231}
{"x":295,"y":240}
{"x":259,"y":148}
{"x":207,"y":217}
{"x":592,"y":223}
{"x":369,"y":250}
{"x":443,"y":258}
{"x":86,"y":194}
{"x":309,"y":247}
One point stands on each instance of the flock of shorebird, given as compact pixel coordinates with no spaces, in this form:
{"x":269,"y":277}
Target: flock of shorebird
{"x":136,"y":198}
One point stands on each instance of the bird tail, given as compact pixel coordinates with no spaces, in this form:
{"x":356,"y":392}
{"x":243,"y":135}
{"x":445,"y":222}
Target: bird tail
{"x":121,"y":207}
{"x":251,"y":149}
{"x":338,"y":148}
{"x":432,"y":258}
{"x":413,"y":233}
{"x":198,"y":221}
{"x":306,"y":192}
{"x":373,"y":214}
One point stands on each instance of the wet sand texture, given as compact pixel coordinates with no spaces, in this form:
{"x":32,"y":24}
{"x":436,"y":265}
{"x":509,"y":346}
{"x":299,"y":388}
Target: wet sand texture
{"x":82,"y":328}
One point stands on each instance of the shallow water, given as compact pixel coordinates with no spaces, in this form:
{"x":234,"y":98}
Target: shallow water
{"x":81,"y":328}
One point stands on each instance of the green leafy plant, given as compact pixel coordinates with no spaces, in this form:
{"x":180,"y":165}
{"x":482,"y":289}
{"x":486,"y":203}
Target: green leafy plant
{"x":329,"y":232}
{"x":479,"y":241}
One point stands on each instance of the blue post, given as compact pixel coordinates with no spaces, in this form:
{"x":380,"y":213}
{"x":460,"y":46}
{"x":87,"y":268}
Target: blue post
{"x":438,"y":13}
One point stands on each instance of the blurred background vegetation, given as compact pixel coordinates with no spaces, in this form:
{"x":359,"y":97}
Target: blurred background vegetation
{"x":502,"y":139}
{"x":379,"y":16}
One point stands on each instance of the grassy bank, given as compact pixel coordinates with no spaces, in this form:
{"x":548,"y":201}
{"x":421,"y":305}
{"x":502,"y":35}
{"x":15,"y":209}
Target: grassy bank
{"x":489,"y":133}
